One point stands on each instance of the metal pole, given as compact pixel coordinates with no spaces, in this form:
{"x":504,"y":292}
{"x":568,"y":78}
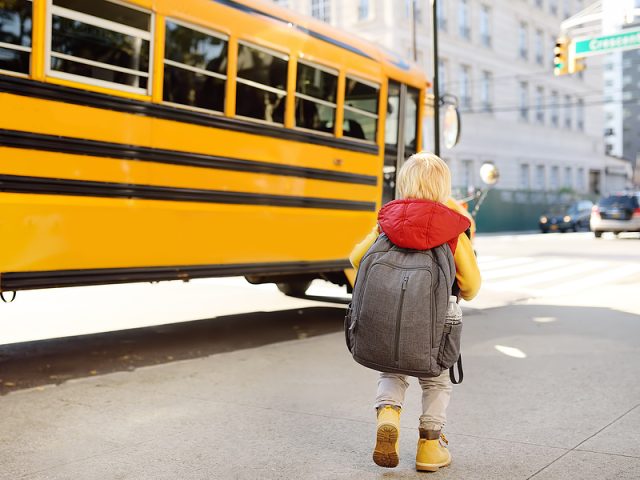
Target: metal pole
{"x":436,"y":87}
{"x":414,"y":43}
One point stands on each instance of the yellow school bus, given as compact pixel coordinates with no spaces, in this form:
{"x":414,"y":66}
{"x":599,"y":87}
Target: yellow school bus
{"x":146,"y":140}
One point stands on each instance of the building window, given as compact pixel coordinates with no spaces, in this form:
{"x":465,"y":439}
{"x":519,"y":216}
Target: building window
{"x":554,"y":108}
{"x":442,"y":15}
{"x":282,"y":3}
{"x":566,"y":8}
{"x":467,"y":173}
{"x":316,"y":94}
{"x":525,"y":180}
{"x":540,"y":105}
{"x":580,"y":114}
{"x":261,"y":88}
{"x":363,"y":10}
{"x":485,"y":91}
{"x":361,"y":109}
{"x":321,"y":9}
{"x":539,"y":3}
{"x":594,"y":181}
{"x":101,"y":43}
{"x":442,"y":75}
{"x":463,"y":19}
{"x":523,"y":40}
{"x":409,"y":6}
{"x":485,"y":25}
{"x":553,"y":7}
{"x":15,"y":36}
{"x":580,"y":179}
{"x":554,"y":179}
{"x":568,"y":181}
{"x":195,"y":66}
{"x":465,"y":86}
{"x":524,"y":101}
{"x":541,"y":183}
{"x":539,"y":47}
{"x":567,"y":111}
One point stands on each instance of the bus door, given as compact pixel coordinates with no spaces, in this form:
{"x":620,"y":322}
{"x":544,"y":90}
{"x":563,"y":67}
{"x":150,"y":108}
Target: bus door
{"x":401,"y":133}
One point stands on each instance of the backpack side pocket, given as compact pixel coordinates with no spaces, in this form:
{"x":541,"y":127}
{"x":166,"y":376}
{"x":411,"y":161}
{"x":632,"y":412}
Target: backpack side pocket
{"x":450,"y":345}
{"x":348,"y":327}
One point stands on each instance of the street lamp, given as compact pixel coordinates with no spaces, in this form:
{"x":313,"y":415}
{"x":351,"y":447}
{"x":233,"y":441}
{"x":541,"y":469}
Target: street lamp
{"x":436,"y":87}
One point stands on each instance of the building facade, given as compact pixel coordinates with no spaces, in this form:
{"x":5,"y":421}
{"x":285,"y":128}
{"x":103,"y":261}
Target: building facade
{"x":544,"y":133}
{"x":622,"y":93}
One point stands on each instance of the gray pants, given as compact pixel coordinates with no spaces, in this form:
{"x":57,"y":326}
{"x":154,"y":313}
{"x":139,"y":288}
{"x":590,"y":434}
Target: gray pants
{"x":436,"y":393}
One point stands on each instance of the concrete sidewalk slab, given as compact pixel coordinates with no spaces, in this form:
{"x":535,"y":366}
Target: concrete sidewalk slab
{"x":303,"y":409}
{"x":592,"y":465}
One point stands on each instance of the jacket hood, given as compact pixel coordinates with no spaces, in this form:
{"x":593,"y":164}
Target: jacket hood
{"x":421,"y":224}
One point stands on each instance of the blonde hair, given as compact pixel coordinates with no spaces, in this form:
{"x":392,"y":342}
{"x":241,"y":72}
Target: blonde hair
{"x":424,"y":176}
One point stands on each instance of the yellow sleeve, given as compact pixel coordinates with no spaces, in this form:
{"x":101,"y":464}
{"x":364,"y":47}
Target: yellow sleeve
{"x":361,"y":248}
{"x":467,"y":271}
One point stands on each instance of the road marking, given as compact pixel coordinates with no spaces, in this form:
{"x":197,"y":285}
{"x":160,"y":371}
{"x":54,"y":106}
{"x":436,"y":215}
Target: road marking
{"x":521,"y":271}
{"x":552,"y":277}
{"x":597,"y":280}
{"x":503,"y":262}
{"x":545,"y":277}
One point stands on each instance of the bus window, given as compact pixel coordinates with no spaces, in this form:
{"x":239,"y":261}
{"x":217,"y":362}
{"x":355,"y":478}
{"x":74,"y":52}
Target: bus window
{"x":262,"y":84}
{"x":361,"y":110}
{"x":392,"y":122}
{"x":411,"y":121}
{"x":316,"y":92}
{"x":101,"y":43}
{"x":195,"y":68}
{"x":15,"y":36}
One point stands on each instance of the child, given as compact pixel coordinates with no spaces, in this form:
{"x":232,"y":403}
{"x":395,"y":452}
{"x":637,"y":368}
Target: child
{"x":423,"y":177}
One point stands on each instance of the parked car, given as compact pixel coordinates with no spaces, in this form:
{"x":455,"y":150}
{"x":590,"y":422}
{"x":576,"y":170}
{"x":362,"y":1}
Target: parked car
{"x":616,"y":213}
{"x":564,"y":218}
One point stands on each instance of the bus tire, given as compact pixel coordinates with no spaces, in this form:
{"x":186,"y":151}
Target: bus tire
{"x":294,"y":288}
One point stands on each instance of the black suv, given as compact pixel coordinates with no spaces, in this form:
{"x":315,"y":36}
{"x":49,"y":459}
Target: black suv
{"x":616,"y":213}
{"x":563,"y":218}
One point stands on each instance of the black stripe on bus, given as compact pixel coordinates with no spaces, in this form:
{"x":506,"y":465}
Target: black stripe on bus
{"x":54,"y":143}
{"x":70,"y":278}
{"x":47,"y":91}
{"x":58,"y":186}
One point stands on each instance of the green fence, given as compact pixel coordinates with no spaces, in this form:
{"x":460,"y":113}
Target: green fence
{"x":516,"y":210}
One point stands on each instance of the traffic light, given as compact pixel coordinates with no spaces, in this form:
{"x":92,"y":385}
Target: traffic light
{"x":561,"y":57}
{"x":577,"y":65}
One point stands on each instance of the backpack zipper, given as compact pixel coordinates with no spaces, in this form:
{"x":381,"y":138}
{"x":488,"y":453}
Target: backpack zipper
{"x":405,"y":280}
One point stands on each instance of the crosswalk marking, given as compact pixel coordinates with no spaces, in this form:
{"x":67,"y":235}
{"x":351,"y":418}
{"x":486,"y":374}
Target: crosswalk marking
{"x":526,"y":269}
{"x":565,"y":272}
{"x":599,"y":279}
{"x":551,"y":276}
{"x":497,"y":262}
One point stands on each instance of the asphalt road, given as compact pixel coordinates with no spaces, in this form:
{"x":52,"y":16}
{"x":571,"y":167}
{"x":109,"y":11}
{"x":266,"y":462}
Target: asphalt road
{"x":221,"y":379}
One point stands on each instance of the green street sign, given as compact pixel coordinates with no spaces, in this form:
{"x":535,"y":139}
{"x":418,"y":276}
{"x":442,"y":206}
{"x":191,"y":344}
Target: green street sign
{"x":588,"y":46}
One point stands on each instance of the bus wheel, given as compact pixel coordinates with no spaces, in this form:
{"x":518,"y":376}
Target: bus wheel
{"x":295,"y":288}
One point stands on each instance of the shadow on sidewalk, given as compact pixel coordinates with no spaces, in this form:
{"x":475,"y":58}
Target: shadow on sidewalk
{"x":33,"y":364}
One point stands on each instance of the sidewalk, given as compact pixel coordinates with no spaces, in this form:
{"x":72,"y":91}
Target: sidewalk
{"x":302,"y":410}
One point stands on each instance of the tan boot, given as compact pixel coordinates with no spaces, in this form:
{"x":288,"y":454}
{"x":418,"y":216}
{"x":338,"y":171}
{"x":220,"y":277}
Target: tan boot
{"x":432,"y":451}
{"x":386,"y":451}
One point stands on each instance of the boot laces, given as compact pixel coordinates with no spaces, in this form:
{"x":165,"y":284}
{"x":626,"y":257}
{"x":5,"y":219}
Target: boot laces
{"x":444,"y":440}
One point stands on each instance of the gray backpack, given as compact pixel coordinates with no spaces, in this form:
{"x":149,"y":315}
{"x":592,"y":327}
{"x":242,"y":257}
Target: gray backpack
{"x":396,"y":320}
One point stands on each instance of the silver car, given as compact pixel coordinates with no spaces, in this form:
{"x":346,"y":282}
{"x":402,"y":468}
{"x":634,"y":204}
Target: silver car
{"x":616,"y":213}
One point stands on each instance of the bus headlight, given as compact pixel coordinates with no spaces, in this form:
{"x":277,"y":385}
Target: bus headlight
{"x":567,"y":219}
{"x":543,"y":219}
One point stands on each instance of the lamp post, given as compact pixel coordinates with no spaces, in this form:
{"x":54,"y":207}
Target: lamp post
{"x":436,"y":87}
